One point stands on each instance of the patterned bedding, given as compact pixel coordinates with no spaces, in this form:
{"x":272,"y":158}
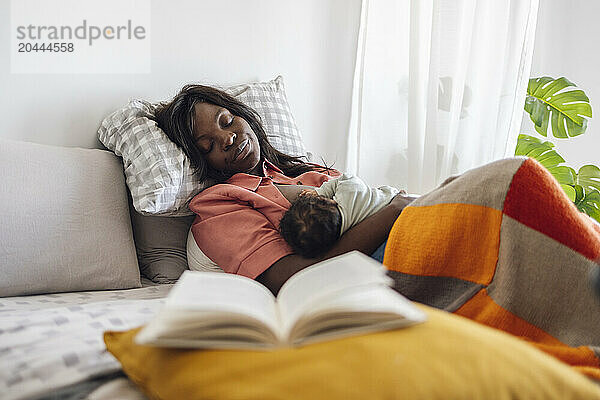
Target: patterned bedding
{"x":49,"y":342}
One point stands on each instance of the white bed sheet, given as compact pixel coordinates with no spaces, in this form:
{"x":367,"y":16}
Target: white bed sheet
{"x":51,"y":341}
{"x":118,"y":388}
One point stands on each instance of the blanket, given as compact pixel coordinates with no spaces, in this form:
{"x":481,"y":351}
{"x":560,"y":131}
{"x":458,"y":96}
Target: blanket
{"x":504,"y":246}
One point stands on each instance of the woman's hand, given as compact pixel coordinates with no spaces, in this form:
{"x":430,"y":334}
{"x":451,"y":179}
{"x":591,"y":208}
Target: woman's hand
{"x":402,"y":199}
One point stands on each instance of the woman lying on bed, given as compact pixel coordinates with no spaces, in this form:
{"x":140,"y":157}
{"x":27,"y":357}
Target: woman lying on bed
{"x":238,"y":221}
{"x":501,"y":244}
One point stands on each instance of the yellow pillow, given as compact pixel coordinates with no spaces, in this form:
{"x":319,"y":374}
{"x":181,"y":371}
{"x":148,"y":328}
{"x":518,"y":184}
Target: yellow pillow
{"x":447,"y":357}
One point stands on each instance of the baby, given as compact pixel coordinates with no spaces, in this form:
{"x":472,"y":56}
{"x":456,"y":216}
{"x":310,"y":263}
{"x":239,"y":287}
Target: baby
{"x":319,"y":216}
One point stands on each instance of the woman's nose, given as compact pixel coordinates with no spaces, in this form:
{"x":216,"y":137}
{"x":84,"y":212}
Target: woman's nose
{"x":227,"y":140}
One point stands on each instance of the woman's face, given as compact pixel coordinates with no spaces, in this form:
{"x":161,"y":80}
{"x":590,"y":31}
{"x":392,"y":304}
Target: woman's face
{"x":227,"y":141}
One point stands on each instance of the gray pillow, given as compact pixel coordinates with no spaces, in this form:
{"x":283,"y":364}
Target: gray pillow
{"x":160,"y":243}
{"x":65,"y":221}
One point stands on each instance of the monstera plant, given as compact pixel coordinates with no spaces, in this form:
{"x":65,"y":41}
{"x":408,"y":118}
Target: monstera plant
{"x":553,"y":102}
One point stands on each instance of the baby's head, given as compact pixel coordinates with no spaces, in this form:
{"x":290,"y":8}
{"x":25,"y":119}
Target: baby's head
{"x":312,"y":224}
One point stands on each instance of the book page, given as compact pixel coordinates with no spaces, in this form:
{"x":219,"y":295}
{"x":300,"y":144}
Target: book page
{"x":206,"y":329}
{"x":220,"y":293}
{"x":365,"y":308}
{"x":324,"y":280}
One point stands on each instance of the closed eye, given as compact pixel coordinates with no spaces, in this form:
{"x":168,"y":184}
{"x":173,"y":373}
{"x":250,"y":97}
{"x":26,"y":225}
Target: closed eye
{"x":201,"y":144}
{"x":229,"y":122}
{"x":205,"y":151}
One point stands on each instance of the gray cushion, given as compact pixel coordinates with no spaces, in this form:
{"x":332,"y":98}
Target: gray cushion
{"x":64,"y":221}
{"x":160,"y":243}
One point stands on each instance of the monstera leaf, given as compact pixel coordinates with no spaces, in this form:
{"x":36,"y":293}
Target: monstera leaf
{"x":543,"y":152}
{"x":588,"y":202}
{"x":589,"y":177}
{"x":587,"y":189}
{"x":565,"y":110}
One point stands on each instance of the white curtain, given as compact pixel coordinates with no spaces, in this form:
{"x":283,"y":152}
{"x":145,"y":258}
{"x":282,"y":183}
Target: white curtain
{"x":439,"y":87}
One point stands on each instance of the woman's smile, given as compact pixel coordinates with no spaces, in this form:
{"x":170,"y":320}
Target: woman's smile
{"x":241,"y":151}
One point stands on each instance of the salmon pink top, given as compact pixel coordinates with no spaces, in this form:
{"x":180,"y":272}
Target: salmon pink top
{"x":237,"y":222}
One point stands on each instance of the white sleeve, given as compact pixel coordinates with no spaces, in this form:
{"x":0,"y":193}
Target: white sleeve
{"x":357,"y":201}
{"x":328,"y":188}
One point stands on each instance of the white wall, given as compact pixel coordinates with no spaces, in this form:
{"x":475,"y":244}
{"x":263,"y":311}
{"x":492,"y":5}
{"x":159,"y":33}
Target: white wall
{"x":566,"y":44}
{"x":312,"y":43}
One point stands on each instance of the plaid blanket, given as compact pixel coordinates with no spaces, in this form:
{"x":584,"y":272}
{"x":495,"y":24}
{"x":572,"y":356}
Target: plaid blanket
{"x":503,"y":245}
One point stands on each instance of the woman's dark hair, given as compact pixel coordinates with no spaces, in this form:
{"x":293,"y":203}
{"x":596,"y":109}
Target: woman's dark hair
{"x":176,"y":119}
{"x":311,"y":226}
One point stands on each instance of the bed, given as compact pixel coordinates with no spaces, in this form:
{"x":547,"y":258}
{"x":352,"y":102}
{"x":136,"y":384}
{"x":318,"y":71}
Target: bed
{"x":93,"y":240}
{"x":51,"y":344}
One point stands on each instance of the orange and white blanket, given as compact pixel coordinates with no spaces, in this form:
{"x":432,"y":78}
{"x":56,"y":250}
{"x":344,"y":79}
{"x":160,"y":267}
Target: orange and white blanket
{"x":504,"y":246}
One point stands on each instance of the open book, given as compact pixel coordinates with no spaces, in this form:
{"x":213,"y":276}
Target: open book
{"x":346,"y":295}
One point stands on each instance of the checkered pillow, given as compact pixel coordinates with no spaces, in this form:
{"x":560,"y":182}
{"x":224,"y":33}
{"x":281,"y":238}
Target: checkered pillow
{"x":270,"y":102}
{"x":158,"y":174}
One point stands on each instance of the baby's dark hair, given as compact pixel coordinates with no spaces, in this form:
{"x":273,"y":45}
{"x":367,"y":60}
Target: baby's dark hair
{"x":311,"y":226}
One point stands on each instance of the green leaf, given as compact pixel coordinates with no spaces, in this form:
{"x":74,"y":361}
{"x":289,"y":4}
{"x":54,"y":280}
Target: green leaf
{"x":564,"y":111}
{"x":541,"y":151}
{"x":590,"y":204}
{"x":570,"y":191}
{"x":589,"y":177}
{"x":550,"y":159}
{"x":564,"y":175}
{"x":579,"y":194}
{"x":526,"y":144}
